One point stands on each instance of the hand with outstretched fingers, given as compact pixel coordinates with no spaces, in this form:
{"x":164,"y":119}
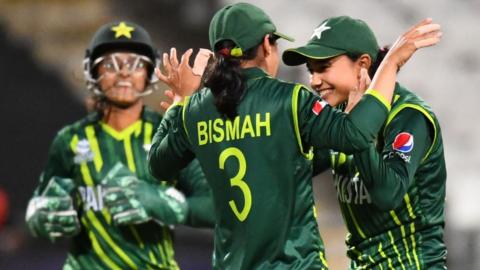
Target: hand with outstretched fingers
{"x":183,"y":79}
{"x":424,"y":34}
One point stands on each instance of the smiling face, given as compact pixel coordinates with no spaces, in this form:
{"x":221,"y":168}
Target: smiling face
{"x":333,"y":78}
{"x":123,"y":77}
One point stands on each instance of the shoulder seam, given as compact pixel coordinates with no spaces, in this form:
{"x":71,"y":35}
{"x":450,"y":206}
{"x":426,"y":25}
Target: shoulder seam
{"x":422,"y":110}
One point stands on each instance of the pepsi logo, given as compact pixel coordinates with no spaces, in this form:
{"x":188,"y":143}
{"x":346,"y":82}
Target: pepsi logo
{"x":403,"y":142}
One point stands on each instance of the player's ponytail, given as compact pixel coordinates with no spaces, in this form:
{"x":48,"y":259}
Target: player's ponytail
{"x":224,"y":76}
{"x":380,"y":55}
{"x":225,"y":80}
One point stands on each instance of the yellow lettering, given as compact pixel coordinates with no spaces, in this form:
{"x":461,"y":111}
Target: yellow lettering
{"x":218,"y":134}
{"x":232,"y":129}
{"x":202,"y":132}
{"x":266,"y":124}
{"x":247,"y":127}
{"x":219,"y":129}
{"x":209,"y":131}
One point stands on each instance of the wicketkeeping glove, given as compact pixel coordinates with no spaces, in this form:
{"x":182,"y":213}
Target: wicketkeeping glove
{"x":133,"y":201}
{"x":52,"y":214}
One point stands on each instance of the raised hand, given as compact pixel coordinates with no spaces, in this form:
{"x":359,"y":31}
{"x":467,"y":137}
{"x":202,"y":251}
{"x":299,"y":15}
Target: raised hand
{"x":424,"y":34}
{"x":183,"y":79}
{"x":421,"y":35}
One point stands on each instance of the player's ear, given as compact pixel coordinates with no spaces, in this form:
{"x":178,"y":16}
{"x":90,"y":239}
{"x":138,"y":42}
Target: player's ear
{"x":364,"y":61}
{"x":266,"y":45}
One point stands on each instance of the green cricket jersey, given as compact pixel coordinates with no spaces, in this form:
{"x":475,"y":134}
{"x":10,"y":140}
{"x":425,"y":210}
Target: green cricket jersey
{"x":392,"y":195}
{"x":85,"y":151}
{"x":259,"y":166}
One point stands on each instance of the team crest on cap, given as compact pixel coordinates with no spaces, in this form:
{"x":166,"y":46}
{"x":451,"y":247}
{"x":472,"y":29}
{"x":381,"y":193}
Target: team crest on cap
{"x":122,"y":29}
{"x":318,"y":31}
{"x":318,"y":106}
{"x":403,"y":142}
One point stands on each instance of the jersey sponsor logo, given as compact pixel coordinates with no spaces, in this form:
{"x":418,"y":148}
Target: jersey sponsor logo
{"x":318,"y":106}
{"x":403,"y":142}
{"x":83,"y":152}
{"x":403,"y":156}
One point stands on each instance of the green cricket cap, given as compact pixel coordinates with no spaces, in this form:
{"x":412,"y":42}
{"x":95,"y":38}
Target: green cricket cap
{"x":244,"y":24}
{"x":335,"y":36}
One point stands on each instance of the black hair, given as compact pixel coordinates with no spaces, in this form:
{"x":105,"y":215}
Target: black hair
{"x":225,"y":79}
{"x":373,"y":68}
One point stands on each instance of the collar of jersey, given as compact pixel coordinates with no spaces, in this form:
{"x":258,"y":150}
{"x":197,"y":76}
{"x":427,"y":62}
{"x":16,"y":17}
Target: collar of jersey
{"x":254,"y":73}
{"x":125,"y":133}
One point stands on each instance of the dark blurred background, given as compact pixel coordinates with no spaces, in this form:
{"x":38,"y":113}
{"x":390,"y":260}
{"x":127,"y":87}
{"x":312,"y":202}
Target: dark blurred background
{"x":42,"y":45}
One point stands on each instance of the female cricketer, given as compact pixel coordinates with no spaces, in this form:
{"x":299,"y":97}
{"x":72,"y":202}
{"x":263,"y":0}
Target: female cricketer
{"x":392,"y":195}
{"x":96,"y":188}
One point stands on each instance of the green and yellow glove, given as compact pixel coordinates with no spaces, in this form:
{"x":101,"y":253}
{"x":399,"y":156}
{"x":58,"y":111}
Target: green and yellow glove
{"x":133,"y":201}
{"x":52,"y":214}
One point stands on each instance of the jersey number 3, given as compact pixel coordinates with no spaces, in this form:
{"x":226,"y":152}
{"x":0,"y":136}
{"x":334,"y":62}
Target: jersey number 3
{"x":237,"y":181}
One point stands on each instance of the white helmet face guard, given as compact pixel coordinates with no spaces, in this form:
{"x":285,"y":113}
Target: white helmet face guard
{"x":113,"y":64}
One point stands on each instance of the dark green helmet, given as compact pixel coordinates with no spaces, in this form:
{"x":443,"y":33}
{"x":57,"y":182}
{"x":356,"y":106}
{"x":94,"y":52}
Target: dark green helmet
{"x":118,"y":36}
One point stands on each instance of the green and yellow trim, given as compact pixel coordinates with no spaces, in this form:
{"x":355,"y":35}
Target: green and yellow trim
{"x":322,"y":258}
{"x":404,"y":238}
{"x":355,"y":222}
{"x":99,"y":228}
{"x":127,"y":144}
{"x":311,"y":56}
{"x":162,"y":256}
{"x":176,"y":103}
{"x":184,"y":121}
{"x":409,"y":206}
{"x":87,"y":179}
{"x":137,"y":237}
{"x":98,"y":249}
{"x":392,"y":242}
{"x":136,"y":128}
{"x":414,"y":245}
{"x":92,"y":140}
{"x":382,"y":253}
{"x":147,"y":135}
{"x":168,"y":244}
{"x":73,"y":143}
{"x":296,"y":90}
{"x":380,"y":97}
